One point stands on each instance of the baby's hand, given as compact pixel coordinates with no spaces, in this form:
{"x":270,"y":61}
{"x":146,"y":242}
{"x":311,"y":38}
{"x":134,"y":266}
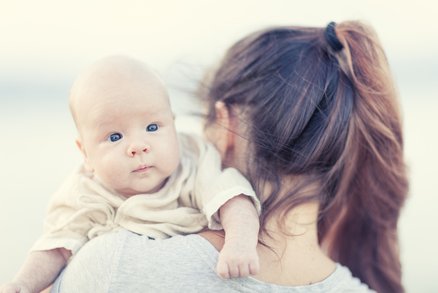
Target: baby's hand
{"x":14,"y":288}
{"x":237,"y":259}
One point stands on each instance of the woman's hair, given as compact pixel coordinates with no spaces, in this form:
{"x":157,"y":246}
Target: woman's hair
{"x":329,"y":116}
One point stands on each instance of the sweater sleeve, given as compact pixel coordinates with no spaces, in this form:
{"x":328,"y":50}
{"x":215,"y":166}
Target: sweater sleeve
{"x":213,"y":185}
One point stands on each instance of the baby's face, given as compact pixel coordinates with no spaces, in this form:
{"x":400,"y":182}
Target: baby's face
{"x":127,"y":134}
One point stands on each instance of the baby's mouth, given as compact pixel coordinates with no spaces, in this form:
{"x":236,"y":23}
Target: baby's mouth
{"x":141,"y":168}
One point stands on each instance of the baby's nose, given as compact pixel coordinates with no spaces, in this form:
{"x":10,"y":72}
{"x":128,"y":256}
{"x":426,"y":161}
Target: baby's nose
{"x":136,"y":149}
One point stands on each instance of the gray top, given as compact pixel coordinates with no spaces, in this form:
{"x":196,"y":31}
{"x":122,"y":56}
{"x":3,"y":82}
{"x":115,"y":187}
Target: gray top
{"x":127,"y":262}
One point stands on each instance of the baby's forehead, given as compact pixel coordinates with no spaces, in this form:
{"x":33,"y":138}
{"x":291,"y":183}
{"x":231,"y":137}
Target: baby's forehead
{"x":115,"y":74}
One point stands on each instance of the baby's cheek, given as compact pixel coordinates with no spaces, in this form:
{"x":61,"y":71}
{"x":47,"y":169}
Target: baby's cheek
{"x":171,"y":160}
{"x":176,"y":157}
{"x":110,"y":171}
{"x":117,"y":182}
{"x":171,"y":152}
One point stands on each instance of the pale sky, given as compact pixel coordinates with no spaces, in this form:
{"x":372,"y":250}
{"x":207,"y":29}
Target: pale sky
{"x":53,"y":37}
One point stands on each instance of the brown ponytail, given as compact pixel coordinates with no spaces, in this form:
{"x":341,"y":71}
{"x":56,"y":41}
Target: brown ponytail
{"x":373,"y":184}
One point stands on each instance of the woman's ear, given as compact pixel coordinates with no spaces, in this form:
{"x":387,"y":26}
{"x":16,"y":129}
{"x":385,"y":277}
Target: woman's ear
{"x":221,"y":133}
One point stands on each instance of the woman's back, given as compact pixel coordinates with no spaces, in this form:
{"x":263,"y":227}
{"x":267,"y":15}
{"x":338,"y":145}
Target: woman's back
{"x":127,"y":262}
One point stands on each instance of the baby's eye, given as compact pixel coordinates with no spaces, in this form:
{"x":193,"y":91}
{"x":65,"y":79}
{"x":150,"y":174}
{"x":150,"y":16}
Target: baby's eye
{"x":152,"y":127}
{"x":115,"y":137}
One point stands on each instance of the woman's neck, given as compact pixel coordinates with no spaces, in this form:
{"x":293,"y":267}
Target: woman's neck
{"x":292,"y":255}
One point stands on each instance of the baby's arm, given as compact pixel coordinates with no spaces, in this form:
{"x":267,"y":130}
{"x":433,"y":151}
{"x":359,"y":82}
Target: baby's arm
{"x":238,"y":257}
{"x":39,"y":271}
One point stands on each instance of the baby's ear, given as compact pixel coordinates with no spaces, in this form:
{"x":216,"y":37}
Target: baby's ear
{"x":81,"y":147}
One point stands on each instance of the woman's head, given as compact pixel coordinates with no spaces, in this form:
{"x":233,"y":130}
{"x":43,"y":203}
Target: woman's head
{"x":318,"y":104}
{"x":294,"y":100}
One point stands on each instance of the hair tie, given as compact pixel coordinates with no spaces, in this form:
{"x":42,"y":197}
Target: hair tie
{"x":331,"y":38}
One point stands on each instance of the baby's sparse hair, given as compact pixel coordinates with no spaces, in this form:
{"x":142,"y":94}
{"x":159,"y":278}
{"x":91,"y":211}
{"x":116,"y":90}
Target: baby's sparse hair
{"x":106,"y":72}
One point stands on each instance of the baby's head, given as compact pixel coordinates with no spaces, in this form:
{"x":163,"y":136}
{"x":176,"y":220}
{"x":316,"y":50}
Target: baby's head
{"x":126,"y":126}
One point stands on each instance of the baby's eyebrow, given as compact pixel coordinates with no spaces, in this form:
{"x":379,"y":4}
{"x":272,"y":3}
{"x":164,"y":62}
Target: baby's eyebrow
{"x":107,"y":127}
{"x":103,"y":124}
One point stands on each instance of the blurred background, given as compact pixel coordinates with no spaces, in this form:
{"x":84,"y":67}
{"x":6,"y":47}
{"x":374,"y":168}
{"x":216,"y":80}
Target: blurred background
{"x":44,"y":44}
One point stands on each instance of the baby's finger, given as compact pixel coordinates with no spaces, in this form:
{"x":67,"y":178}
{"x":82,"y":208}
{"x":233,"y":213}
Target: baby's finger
{"x":244,"y":270}
{"x":222,"y":270}
{"x":254,"y":267}
{"x":234,"y":271}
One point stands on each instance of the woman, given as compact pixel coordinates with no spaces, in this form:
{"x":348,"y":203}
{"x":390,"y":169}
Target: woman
{"x":310,"y":116}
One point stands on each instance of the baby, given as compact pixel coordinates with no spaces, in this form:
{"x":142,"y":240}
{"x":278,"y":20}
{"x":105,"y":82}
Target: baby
{"x":139,"y":174}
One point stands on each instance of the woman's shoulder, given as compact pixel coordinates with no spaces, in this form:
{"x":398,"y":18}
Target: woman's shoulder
{"x":342,"y":280}
{"x":128,"y":262}
{"x":208,"y":243}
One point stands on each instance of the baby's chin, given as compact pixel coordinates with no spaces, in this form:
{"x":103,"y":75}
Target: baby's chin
{"x":129,"y":192}
{"x":133,"y":192}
